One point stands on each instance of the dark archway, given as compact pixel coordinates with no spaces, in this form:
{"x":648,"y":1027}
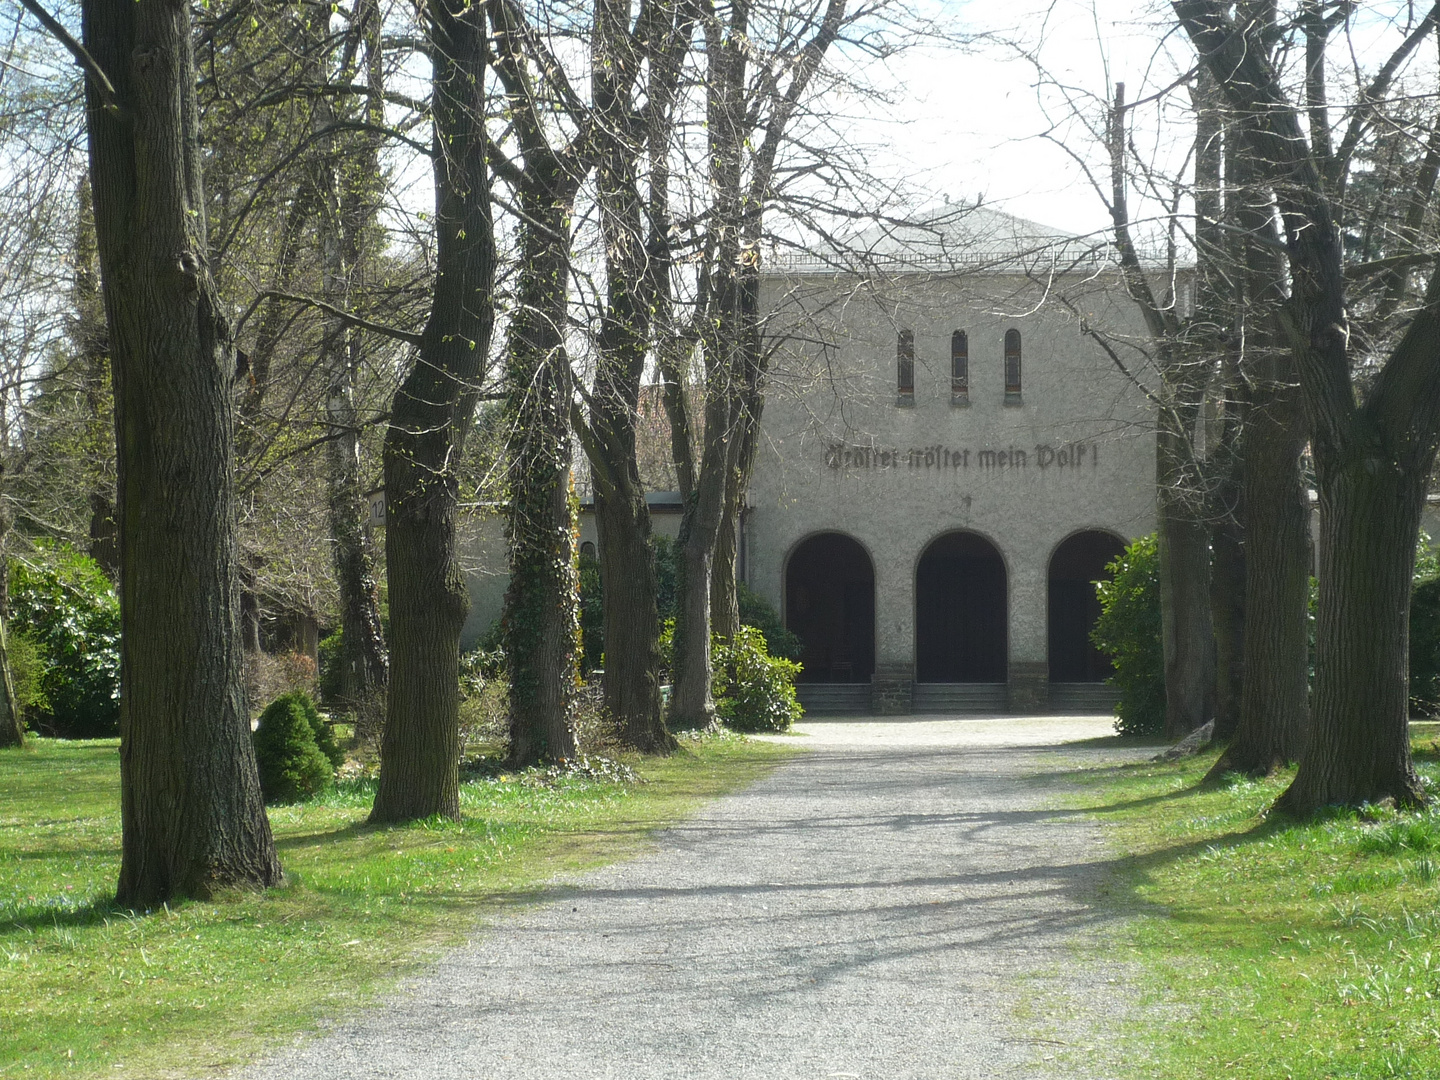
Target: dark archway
{"x":830,"y":606}
{"x":960,"y":604}
{"x":1077,"y":564}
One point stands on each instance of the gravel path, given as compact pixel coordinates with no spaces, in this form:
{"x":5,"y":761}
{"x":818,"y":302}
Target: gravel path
{"x":876,"y":908}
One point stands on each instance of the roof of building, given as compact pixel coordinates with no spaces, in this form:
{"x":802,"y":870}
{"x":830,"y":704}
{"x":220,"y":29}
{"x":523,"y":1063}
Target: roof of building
{"x":954,"y":238}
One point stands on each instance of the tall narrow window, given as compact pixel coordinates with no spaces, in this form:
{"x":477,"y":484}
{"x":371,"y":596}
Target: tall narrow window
{"x":959,"y":368}
{"x":1012,"y":365}
{"x":905,"y":368}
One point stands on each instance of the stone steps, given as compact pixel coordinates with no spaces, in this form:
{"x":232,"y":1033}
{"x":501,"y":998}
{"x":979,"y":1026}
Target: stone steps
{"x":961,"y":698}
{"x":821,"y":698}
{"x":1080,"y":697}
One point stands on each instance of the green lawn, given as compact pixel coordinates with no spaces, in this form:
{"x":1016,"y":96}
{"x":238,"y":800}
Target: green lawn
{"x":1273,"y":948}
{"x":87,"y":989}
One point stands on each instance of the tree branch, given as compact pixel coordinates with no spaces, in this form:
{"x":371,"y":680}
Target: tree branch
{"x":103,"y":86}
{"x":409,"y":337}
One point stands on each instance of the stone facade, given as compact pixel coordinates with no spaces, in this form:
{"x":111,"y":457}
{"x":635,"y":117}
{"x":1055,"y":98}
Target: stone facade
{"x":846,"y":450}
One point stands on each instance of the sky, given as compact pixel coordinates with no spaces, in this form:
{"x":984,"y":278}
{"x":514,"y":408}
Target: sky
{"x":971,"y":121}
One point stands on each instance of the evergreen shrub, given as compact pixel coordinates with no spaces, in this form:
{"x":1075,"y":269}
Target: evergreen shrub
{"x":753,"y":690}
{"x":294,"y":764}
{"x":1128,"y":630}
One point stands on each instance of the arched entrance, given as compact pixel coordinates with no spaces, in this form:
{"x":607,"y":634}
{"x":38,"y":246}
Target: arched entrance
{"x":830,"y":606}
{"x":960,"y":603}
{"x":1077,"y":564}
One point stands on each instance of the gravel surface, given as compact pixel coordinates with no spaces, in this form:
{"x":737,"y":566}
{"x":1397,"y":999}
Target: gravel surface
{"x":876,"y":908}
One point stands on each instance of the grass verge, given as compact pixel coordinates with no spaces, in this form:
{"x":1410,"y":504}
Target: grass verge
{"x":89,"y":989}
{"x":1274,"y":948}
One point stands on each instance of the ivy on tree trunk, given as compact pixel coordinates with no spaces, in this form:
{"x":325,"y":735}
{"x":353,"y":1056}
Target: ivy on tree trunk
{"x":420,"y":749}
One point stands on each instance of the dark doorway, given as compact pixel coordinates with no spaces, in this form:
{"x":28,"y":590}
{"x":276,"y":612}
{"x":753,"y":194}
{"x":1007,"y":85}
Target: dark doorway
{"x":960,"y":602}
{"x":1077,"y":564}
{"x":830,"y":606}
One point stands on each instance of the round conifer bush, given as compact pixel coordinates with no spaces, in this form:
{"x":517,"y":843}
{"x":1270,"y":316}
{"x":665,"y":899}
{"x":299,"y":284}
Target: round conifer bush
{"x":293,"y":766}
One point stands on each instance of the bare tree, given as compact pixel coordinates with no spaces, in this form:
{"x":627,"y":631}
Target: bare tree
{"x":747,"y":124}
{"x":420,"y":754}
{"x":1373,"y":441}
{"x":540,"y":623}
{"x":191,"y":814}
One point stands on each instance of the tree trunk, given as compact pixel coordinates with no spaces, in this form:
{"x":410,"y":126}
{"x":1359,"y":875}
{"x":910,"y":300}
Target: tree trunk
{"x":1373,"y":450}
{"x":191,"y":812}
{"x":92,"y":343}
{"x":343,"y":216}
{"x":632,"y":621}
{"x":420,"y":750}
{"x":1360,"y":745}
{"x":541,"y":619}
{"x":693,"y":706}
{"x":724,"y":600}
{"x":1228,"y":614}
{"x":364,"y":666}
{"x":1183,"y":543}
{"x":1274,"y":711}
{"x":637,"y":272}
{"x":12,"y":724}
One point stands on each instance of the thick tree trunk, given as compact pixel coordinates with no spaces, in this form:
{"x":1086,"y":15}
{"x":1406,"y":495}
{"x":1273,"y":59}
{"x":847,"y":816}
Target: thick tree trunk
{"x":420,"y":750}
{"x":1360,"y":745}
{"x":1183,"y":542}
{"x":1274,"y":712}
{"x":541,"y":620}
{"x":1373,"y":451}
{"x":191,"y":813}
{"x":632,"y":621}
{"x":637,"y":271}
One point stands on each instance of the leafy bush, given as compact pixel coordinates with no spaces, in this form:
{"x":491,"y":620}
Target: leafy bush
{"x":758,"y":612}
{"x":1128,"y":630}
{"x":753,"y":690}
{"x":68,"y":610}
{"x":293,"y":765}
{"x":26,"y":668}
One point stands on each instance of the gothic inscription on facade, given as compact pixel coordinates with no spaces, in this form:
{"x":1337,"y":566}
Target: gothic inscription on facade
{"x":1067,"y":456}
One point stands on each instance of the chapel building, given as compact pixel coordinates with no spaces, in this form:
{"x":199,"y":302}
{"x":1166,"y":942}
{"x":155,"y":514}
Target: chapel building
{"x":949,"y":458}
{"x":953,"y":446}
